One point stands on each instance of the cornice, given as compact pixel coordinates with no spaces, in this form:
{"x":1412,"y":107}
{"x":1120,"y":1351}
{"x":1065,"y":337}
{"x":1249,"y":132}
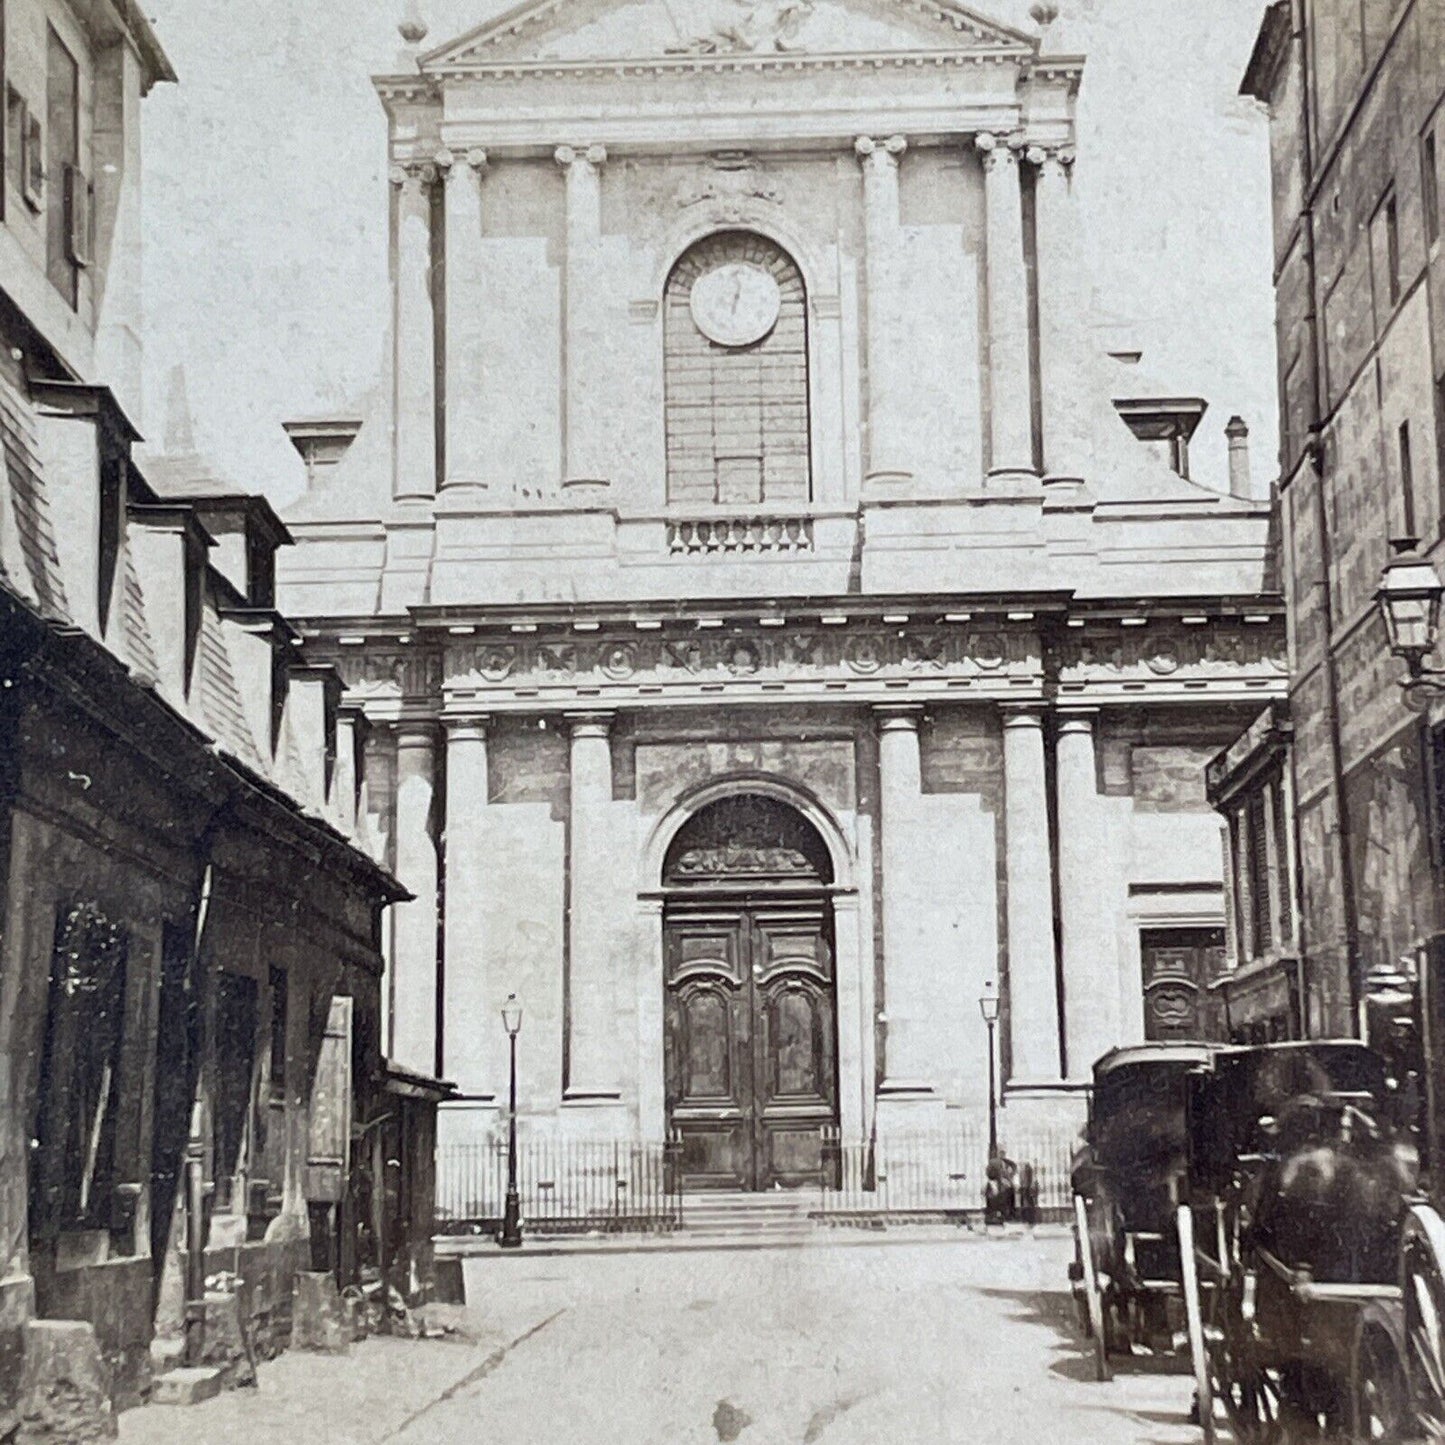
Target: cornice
{"x":1020,"y":56}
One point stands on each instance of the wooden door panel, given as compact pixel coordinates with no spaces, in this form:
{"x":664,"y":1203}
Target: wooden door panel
{"x":795,"y":1063}
{"x":709,"y":1049}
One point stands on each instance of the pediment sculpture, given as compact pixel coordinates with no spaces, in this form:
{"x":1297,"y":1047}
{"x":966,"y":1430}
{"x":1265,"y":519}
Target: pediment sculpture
{"x":750,"y":27}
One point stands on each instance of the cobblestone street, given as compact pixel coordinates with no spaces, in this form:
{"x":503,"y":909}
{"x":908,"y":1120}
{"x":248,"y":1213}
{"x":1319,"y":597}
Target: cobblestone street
{"x":898,"y":1340}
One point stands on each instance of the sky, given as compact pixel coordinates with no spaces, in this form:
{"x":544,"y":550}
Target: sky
{"x":266,"y":206}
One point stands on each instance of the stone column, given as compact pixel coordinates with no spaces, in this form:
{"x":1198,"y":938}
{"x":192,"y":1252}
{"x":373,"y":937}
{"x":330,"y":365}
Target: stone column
{"x":907,"y":989}
{"x":414,"y":383}
{"x":1091,"y":992}
{"x":1010,"y":413}
{"x":887,"y":355}
{"x":584,"y":338}
{"x":471,"y":1031}
{"x":1032,"y":992}
{"x":592,"y":880}
{"x":414,"y":928}
{"x":1063,"y":301}
{"x":465,"y":302}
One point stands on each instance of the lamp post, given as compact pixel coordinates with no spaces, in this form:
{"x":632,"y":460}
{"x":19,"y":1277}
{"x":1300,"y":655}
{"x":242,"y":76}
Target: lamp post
{"x":511,"y":1235}
{"x":1409,"y":597}
{"x":988,"y":1007}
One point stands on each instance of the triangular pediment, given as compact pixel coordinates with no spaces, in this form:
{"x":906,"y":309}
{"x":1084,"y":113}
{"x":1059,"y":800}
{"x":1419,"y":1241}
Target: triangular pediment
{"x":578,"y":31}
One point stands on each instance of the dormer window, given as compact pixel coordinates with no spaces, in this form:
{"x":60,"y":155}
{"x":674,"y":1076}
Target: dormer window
{"x":112,"y":531}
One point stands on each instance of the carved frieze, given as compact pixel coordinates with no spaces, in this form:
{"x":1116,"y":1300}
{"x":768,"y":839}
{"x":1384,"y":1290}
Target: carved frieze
{"x":1148,"y":654}
{"x":726,"y":656}
{"x":390,"y":671}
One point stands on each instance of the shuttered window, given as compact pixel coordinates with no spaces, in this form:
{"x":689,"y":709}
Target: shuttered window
{"x":737,"y":416}
{"x":1258,"y":862}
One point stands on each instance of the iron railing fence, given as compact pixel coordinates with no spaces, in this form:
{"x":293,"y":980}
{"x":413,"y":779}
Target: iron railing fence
{"x":563,"y":1185}
{"x":941,"y":1170}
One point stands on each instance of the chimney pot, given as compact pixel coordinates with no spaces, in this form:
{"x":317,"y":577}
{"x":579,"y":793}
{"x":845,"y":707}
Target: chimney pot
{"x":1238,"y":434}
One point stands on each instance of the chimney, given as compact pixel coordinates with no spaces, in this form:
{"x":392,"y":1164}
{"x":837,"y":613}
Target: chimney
{"x":322,"y":442}
{"x":1238,"y":434}
{"x":347,"y":780}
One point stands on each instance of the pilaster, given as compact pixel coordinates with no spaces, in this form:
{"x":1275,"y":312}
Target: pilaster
{"x":414,"y":926}
{"x":471,"y":1032}
{"x":465,"y":448}
{"x":1010,"y":406}
{"x":907,"y":1090}
{"x":1062,"y":304}
{"x":585,"y":464}
{"x":591,"y":960}
{"x":888,"y":449}
{"x":414,"y":475}
{"x":1033,"y":1009}
{"x":1091,"y":1024}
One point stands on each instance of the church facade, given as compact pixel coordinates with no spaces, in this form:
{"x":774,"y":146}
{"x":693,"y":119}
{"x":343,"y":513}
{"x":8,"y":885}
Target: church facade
{"x":772,"y":637}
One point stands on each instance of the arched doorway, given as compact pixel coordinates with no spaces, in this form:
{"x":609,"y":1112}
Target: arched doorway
{"x":751,"y":1050}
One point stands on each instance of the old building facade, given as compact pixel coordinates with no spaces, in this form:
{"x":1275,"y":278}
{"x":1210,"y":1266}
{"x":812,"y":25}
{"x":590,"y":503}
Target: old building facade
{"x":771,"y":633}
{"x":189,"y":936}
{"x":1357,"y":136}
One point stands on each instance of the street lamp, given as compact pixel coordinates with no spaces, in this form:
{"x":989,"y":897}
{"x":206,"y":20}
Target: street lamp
{"x":511,"y":1236}
{"x":1409,"y":598}
{"x":988,"y":1007}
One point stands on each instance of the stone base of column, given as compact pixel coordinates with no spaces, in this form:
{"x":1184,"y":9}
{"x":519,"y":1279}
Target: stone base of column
{"x":472,"y":1120}
{"x":586,"y":491}
{"x":1012,"y":481}
{"x":462,"y":492}
{"x":1035,"y":1109}
{"x":904,"y":1107}
{"x":885,"y":483}
{"x":595,"y":1115}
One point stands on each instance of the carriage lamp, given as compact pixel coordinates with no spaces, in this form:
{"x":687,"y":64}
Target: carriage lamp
{"x":511,"y":1235}
{"x":1409,"y":597}
{"x":988,"y":1007}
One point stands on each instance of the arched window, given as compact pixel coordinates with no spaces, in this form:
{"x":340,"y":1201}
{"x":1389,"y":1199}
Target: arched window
{"x":735,"y":339}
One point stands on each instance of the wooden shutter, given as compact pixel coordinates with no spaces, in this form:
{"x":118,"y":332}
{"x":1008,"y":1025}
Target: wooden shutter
{"x":328,"y":1149}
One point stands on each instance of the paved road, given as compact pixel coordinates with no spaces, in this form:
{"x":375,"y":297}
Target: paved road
{"x":887,"y":1343}
{"x":842,"y":1345}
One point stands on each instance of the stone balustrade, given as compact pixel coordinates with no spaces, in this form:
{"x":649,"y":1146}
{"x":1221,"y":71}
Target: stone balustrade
{"x":740,"y":534}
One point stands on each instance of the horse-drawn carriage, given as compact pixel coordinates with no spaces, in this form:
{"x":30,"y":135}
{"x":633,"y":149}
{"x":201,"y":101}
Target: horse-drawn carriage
{"x":1307,"y":1263}
{"x":1127,"y":1186}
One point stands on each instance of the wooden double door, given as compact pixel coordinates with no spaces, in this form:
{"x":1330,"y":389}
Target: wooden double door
{"x":751,"y":1045}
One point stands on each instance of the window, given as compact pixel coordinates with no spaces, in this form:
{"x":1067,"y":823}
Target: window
{"x":1179,"y":965}
{"x":735,"y":346}
{"x":73,"y":1174}
{"x":1392,"y":249}
{"x":1281,"y":858}
{"x":1430,"y":187}
{"x":276,"y":1064}
{"x":61,"y":158}
{"x":1257,"y":864}
{"x":237,"y":1018}
{"x":112,"y":528}
{"x":1407,"y":480}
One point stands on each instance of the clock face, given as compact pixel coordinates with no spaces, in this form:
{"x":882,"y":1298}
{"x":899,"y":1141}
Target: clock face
{"x":735,"y":304}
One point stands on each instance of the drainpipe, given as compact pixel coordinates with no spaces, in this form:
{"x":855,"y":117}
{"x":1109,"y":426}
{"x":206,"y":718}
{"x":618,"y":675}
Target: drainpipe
{"x":1348,"y":902}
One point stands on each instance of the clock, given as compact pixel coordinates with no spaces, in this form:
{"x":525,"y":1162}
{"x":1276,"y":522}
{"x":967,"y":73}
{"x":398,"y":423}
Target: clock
{"x":735,"y":304}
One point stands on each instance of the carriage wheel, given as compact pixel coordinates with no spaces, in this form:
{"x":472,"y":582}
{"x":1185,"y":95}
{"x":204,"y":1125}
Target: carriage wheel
{"x":1379,"y":1394}
{"x":1194,"y":1318}
{"x":1422,"y":1277}
{"x":1253,"y":1393}
{"x":1093,"y":1295}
